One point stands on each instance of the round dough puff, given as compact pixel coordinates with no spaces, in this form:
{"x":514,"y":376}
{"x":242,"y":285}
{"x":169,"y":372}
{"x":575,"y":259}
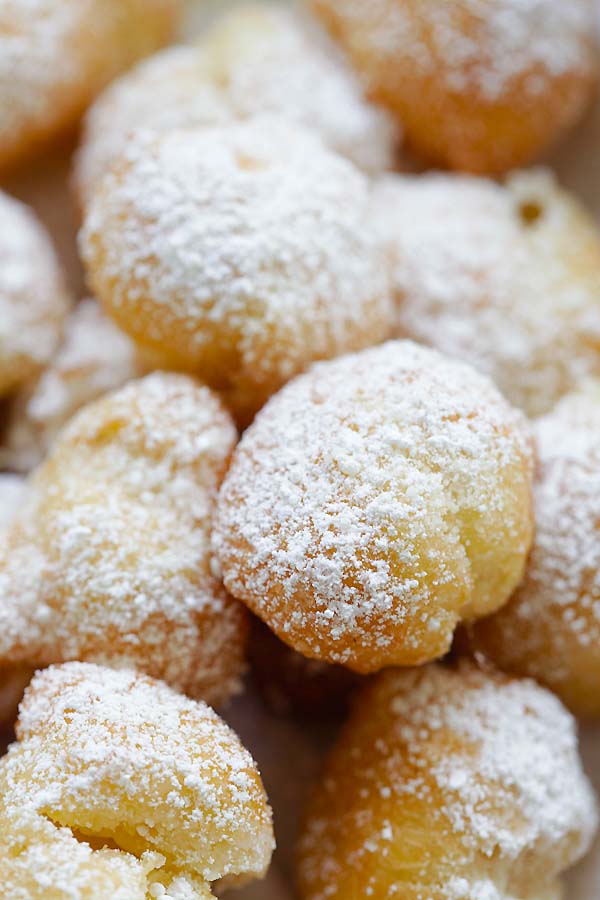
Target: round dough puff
{"x":448,"y":784}
{"x":55,"y":55}
{"x":33,"y":297}
{"x":109,"y":558}
{"x":375,"y":502}
{"x":258,"y":58}
{"x":118,"y":787}
{"x":171,"y":89}
{"x":550,"y":630}
{"x":93,"y":358}
{"x":479,"y":85}
{"x":240,"y":253}
{"x":504,"y":277}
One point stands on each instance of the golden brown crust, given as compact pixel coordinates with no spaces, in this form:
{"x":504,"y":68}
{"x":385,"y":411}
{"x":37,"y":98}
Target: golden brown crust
{"x":375,"y":502}
{"x":54,"y":58}
{"x":448,"y":784}
{"x":109,"y":559}
{"x":550,"y":630}
{"x":118,"y":786}
{"x":478,"y":86}
{"x":187,"y":251}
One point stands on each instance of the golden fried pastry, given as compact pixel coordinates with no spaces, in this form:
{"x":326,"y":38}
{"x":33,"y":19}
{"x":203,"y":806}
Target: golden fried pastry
{"x":550,"y":630}
{"x":119,"y":787}
{"x":257,"y":59}
{"x":505,"y":277}
{"x":33,"y":297}
{"x":375,"y":502}
{"x":55,"y":55}
{"x":479,"y":85}
{"x":276,"y":60}
{"x":448,"y":784}
{"x":171,"y":89}
{"x":239,"y":253}
{"x":109,"y":558}
{"x":94,"y":357}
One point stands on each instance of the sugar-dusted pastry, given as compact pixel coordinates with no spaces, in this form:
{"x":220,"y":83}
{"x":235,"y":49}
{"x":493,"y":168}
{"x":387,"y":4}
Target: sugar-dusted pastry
{"x":259,"y":58}
{"x":240,"y":253}
{"x":550,"y":630}
{"x":479,"y":85}
{"x":505,"y":277}
{"x":94,"y":357}
{"x":448,"y":784}
{"x":55,"y":55}
{"x":375,"y":502}
{"x":33,"y":296}
{"x":119,"y":787}
{"x":109,"y":558}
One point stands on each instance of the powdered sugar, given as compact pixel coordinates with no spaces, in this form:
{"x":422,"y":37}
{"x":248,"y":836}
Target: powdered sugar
{"x":551,"y":628}
{"x":241,"y":252}
{"x":474,"y":277}
{"x":33,"y":299}
{"x":109,"y":559}
{"x":483,"y":770}
{"x":259,"y":59}
{"x":55,"y":56}
{"x":123,"y":762}
{"x":350,"y":515}
{"x":94,"y":357}
{"x":12,"y":491}
{"x":489,"y":45}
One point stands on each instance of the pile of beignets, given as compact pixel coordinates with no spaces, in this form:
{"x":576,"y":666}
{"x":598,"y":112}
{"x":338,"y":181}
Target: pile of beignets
{"x":325,"y":426}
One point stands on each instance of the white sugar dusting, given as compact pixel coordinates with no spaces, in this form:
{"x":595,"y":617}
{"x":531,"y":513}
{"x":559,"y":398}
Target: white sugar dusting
{"x":252,"y":235}
{"x":109,"y":559}
{"x":551,"y":628}
{"x":352,"y":501}
{"x":518,"y":298}
{"x":259,"y":59}
{"x":122,"y":762}
{"x":93,"y":358}
{"x":483,"y":767}
{"x":487,"y":45}
{"x":33,"y":299}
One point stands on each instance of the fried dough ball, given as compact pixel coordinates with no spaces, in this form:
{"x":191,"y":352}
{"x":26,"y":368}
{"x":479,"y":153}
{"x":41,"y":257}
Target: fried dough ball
{"x":375,"y":502}
{"x":94,"y":357}
{"x":55,"y":55}
{"x":257,"y":59}
{"x":33,"y":297}
{"x":505,"y":277}
{"x":109,"y":558}
{"x":119,"y":787}
{"x":479,"y":85}
{"x":239,"y":253}
{"x":276,"y":60}
{"x":550,"y":630}
{"x":448,"y":784}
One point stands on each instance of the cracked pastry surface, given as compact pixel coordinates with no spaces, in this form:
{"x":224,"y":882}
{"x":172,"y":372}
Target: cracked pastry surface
{"x":109,"y":558}
{"x":118,"y":786}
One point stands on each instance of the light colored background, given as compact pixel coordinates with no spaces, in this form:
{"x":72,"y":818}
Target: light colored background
{"x":289,"y":755}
